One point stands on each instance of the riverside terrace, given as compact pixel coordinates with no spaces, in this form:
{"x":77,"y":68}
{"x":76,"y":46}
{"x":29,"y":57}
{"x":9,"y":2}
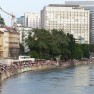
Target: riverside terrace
{"x":19,"y":67}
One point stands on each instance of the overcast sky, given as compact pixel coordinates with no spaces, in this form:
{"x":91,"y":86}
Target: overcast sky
{"x":19,"y":7}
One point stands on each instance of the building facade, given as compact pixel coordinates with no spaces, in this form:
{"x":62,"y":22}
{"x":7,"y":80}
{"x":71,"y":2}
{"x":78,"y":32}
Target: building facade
{"x":9,"y":43}
{"x":72,"y":19}
{"x":88,"y":5}
{"x":1,"y":44}
{"x":24,"y":32}
{"x":20,"y":20}
{"x":32,"y":20}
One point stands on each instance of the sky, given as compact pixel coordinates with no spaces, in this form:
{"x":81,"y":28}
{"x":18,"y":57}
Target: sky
{"x":19,"y":7}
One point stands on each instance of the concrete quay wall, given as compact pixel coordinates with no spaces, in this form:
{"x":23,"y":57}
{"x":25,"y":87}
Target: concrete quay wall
{"x":13,"y":69}
{"x":17,"y":69}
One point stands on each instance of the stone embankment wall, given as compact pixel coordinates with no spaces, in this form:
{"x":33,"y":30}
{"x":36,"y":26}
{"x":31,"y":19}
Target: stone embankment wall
{"x":17,"y":68}
{"x":20,"y":67}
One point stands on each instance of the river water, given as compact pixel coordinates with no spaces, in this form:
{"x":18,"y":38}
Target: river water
{"x":77,"y":80}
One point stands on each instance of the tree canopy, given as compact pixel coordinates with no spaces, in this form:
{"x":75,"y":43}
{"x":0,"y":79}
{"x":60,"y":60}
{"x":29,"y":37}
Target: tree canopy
{"x":2,"y":21}
{"x":54,"y":45}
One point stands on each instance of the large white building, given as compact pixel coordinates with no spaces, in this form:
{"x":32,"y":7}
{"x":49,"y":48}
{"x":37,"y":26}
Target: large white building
{"x":72,"y":19}
{"x":88,"y":5}
{"x":32,"y":20}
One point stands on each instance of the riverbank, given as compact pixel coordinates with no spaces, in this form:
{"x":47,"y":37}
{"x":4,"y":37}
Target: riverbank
{"x":20,"y":67}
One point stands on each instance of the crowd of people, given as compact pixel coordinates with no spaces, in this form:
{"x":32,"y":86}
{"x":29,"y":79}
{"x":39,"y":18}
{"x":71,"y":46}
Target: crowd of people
{"x":23,"y":64}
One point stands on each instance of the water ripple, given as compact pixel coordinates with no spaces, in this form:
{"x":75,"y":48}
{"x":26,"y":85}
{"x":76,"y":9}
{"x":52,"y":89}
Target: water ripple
{"x":78,"y":80}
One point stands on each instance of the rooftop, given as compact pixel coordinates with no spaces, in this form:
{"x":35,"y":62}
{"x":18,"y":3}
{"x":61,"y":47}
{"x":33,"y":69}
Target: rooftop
{"x":89,"y":2}
{"x":7,"y":29}
{"x":62,"y":5}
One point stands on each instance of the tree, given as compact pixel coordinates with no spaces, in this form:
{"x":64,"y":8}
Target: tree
{"x":39,"y":43}
{"x":21,"y":49}
{"x":78,"y":52}
{"x":2,"y":21}
{"x":71,"y":47}
{"x":60,"y":40}
{"x":91,"y":48}
{"x":85,"y":49}
{"x":55,"y":45}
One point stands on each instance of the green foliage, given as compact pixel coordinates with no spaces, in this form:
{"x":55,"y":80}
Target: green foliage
{"x":71,"y":46}
{"x":78,"y":52}
{"x":55,"y":45}
{"x":34,"y":54}
{"x":40,"y":42}
{"x":85,"y":49}
{"x":21,"y":50}
{"x":91,"y":48}
{"x":2,"y":21}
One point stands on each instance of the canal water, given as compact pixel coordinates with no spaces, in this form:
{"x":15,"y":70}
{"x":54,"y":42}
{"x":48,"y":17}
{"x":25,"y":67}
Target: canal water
{"x":77,"y":80}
